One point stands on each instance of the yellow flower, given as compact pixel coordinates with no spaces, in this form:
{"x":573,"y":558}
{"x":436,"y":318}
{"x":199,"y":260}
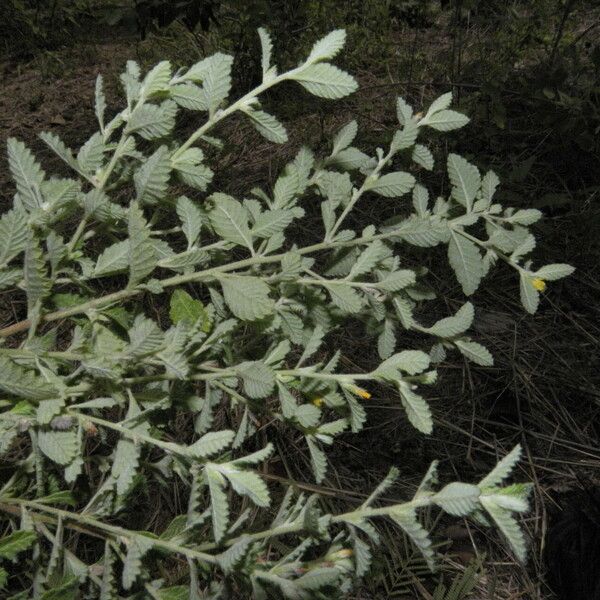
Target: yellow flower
{"x":318,"y":402}
{"x":539,"y":284}
{"x":362,"y":393}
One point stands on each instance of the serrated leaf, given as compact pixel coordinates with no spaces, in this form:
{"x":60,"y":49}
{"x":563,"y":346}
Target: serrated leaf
{"x":503,"y":469}
{"x":19,"y":541}
{"x":451,"y":326}
{"x":13,"y":235}
{"x":318,"y":460}
{"x":530,"y":297}
{"x":145,"y":337}
{"x":247,"y":484}
{"x":152,"y":178}
{"x":91,"y":154}
{"x":217,"y":80}
{"x":344,"y":297}
{"x":142,"y":258}
{"x":270,"y":222}
{"x":489,"y":183}
{"x":554,"y":271}
{"x":132,"y":565}
{"x":392,"y":185}
{"x":405,"y":137}
{"x":458,"y":499}
{"x":386,"y":342}
{"x":187,"y":309}
{"x":404,"y":112}
{"x":441,"y":103}
{"x":445,"y":120}
{"x":151,"y":121}
{"x":475,"y":352}
{"x":157,"y":79}
{"x":344,"y":137}
{"x":367,"y":259}
{"x":350,"y":159}
{"x":325,"y":81}
{"x":423,"y":156}
{"x":247,"y":297}
{"x":60,"y":149}
{"x":113,"y":259}
{"x":465,"y":180}
{"x":59,"y":446}
{"x":417,"y":409}
{"x":409,"y":361}
{"x":26,"y":172}
{"x":268,"y":126}
{"x":230,"y":220}
{"x":189,"y":96}
{"x":407,"y":521}
{"x":37,"y":284}
{"x":397,"y":280}
{"x":219,"y":503}
{"x":257,"y":377}
{"x":266,"y":46}
{"x":211,"y":443}
{"x":466,"y":261}
{"x":191,"y":219}
{"x":327,"y":47}
{"x":507,"y":525}
{"x":14,"y":379}
{"x":100,"y":101}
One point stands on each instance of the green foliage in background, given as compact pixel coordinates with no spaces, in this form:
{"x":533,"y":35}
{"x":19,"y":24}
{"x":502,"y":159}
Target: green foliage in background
{"x":99,"y":395}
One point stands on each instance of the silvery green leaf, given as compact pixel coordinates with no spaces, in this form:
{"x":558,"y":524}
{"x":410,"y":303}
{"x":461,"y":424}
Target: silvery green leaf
{"x":113,"y":259}
{"x":189,"y":96}
{"x":246,"y":483}
{"x":404,"y":311}
{"x":287,"y":187}
{"x":247,"y":297}
{"x":423,"y":232}
{"x":405,"y":138}
{"x":59,"y":446}
{"x":465,"y":258}
{"x":48,"y":409}
{"x":191,"y":219}
{"x":132,"y":565}
{"x":13,"y":235}
{"x":409,"y":361}
{"x":307,"y":415}
{"x":392,"y":185}
{"x":219,"y":503}
{"x":151,"y":121}
{"x":525,"y":216}
{"x":152,"y":179}
{"x":16,"y":380}
{"x":266,"y":46}
{"x":313,"y":343}
{"x":10,"y":278}
{"x":344,"y":137}
{"x":27,"y":174}
{"x":350,"y":159}
{"x":530,"y":297}
{"x":507,"y":240}
{"x":35,"y":274}
{"x":458,"y":499}
{"x":157,"y":79}
{"x":502,"y":470}
{"x":142,"y":258}
{"x":91,"y":154}
{"x":325,"y":81}
{"x":267,"y":125}
{"x":318,"y":460}
{"x":318,"y":578}
{"x":271,"y":222}
{"x":386,"y":342}
{"x":344,"y":297}
{"x":445,"y":120}
{"x":507,"y":525}
{"x":367,"y":260}
{"x":455,"y":325}
{"x":489,"y":183}
{"x":327,"y":47}
{"x":255,"y":458}
{"x":13,"y":544}
{"x":190,"y":169}
{"x":60,"y":149}
{"x":476,"y":352}
{"x":184,"y":308}
{"x":417,"y":409}
{"x":465,"y":180}
{"x":406,"y":519}
{"x":258,"y":378}
{"x":100,"y":101}
{"x":403,"y":111}
{"x":232,"y":557}
{"x":230,"y":220}
{"x":441,"y":103}
{"x":145,"y":337}
{"x":423,"y":156}
{"x":216,"y":80}
{"x":554,"y":271}
{"x":397,"y":280}
{"x":211,"y":443}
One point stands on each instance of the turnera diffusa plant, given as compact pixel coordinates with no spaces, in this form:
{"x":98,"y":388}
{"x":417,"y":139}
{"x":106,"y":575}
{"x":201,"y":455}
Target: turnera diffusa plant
{"x":91,"y":382}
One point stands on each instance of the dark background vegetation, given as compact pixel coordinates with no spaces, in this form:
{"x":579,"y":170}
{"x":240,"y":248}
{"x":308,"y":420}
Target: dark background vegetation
{"x":528,"y":74}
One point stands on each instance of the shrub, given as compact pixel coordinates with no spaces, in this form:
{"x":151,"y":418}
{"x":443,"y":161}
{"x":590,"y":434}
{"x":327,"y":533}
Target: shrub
{"x":98,"y":395}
